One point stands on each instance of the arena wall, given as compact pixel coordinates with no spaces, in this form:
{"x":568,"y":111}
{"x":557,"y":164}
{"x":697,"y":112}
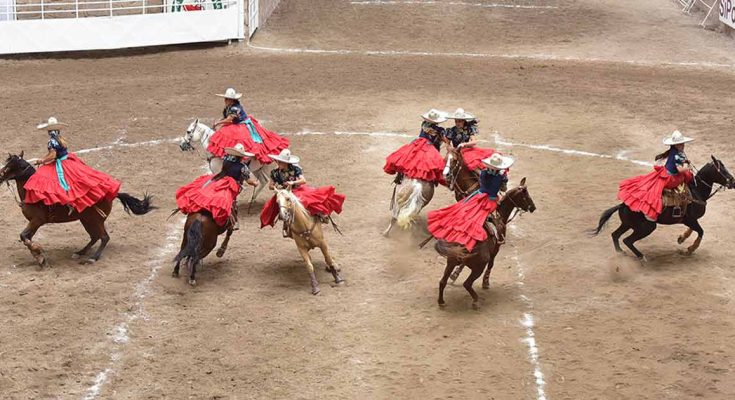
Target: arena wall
{"x":266,"y":9}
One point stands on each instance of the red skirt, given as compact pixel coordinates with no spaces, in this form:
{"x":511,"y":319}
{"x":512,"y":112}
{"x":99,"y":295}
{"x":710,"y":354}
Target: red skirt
{"x":644,"y":193}
{"x":473,"y":157}
{"x":322,"y":200}
{"x":463,"y":222}
{"x":417,"y":160}
{"x":230,"y":135}
{"x":87,"y":186}
{"x":216,"y":197}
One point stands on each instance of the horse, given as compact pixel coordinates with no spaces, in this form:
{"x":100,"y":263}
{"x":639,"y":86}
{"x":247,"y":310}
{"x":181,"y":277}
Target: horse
{"x":306,"y":230}
{"x":461,"y":180}
{"x":200,"y":238}
{"x":92,"y":218}
{"x":200,"y":132}
{"x":701,"y":188}
{"x":410,"y":196}
{"x":484,"y":253}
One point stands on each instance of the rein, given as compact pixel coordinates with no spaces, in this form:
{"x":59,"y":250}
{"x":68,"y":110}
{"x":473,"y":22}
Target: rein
{"x":455,"y":174}
{"x":697,"y":178}
{"x":15,"y":194}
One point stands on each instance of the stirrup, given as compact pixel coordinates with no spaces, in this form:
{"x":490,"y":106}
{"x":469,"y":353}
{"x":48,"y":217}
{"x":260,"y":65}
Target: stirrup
{"x":677,"y":212}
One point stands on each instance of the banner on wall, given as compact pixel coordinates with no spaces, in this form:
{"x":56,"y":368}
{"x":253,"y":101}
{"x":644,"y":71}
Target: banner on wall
{"x":727,"y":12}
{"x":7,"y":10}
{"x":194,"y":5}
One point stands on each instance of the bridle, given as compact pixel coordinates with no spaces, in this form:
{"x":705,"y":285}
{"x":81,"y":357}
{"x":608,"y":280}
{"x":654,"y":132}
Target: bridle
{"x":288,"y":221}
{"x":454,"y":175}
{"x":719,"y":188}
{"x":16,"y":195}
{"x":517,"y":210}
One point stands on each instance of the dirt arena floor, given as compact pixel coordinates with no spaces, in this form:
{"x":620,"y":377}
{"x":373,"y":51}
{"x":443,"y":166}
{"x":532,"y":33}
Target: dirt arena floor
{"x":574,"y":90}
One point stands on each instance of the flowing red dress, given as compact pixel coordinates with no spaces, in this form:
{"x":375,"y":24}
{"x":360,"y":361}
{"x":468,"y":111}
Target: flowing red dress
{"x":417,"y":160}
{"x":644,"y":193}
{"x":86,"y":186}
{"x":463,"y":222}
{"x":322,"y":200}
{"x":215,"y":197}
{"x":230,"y":135}
{"x":473,"y":156}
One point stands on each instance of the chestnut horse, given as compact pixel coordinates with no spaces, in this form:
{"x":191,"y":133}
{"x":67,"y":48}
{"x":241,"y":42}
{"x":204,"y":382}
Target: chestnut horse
{"x":38,"y":214}
{"x":461,"y":180}
{"x":701,"y":187}
{"x":200,"y":237}
{"x":484,"y":253}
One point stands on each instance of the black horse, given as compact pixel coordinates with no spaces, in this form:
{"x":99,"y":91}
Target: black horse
{"x":701,"y":188}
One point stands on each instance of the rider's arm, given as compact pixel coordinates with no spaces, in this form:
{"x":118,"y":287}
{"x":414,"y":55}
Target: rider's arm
{"x":225,"y":121}
{"x":48,"y":158}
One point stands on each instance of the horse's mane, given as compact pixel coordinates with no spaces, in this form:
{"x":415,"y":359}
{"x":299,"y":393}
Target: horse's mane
{"x":294,"y":199}
{"x":23,"y":165}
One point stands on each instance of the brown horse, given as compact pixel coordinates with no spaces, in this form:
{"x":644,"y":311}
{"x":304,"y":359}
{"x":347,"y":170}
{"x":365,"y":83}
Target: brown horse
{"x":38,"y":214}
{"x":483,"y":254}
{"x":306,"y":230}
{"x":200,"y":237}
{"x":410,"y":196}
{"x":461,"y":180}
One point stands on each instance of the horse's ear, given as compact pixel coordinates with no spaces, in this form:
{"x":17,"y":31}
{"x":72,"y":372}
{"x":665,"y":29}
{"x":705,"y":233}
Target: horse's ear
{"x":21,"y":154}
{"x":713,"y":158}
{"x":523,"y":181}
{"x":196,"y":122}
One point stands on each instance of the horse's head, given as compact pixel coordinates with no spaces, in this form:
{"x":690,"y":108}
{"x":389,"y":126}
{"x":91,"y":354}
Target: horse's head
{"x":722,"y":175}
{"x":15,"y":167}
{"x":288,"y":204}
{"x":520,"y":197}
{"x":193,"y":133}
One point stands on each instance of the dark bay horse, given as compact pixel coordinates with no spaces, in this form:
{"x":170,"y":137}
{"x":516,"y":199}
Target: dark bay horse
{"x":200,"y":238}
{"x":484,"y":253}
{"x":38,"y":214}
{"x":701,"y":188}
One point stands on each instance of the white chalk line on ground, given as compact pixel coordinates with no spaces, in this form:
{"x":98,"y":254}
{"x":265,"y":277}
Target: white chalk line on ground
{"x":119,"y":332}
{"x":540,"y":57}
{"x":528,"y":323}
{"x":450,"y":3}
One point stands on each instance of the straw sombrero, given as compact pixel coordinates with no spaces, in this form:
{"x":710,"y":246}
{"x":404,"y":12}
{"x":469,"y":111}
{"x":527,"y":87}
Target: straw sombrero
{"x":52,"y":124}
{"x":238,"y":150}
{"x":435,"y":116}
{"x":460,"y":113}
{"x":677,"y":138}
{"x":231,"y":94}
{"x":286,"y":157}
{"x":498,"y":161}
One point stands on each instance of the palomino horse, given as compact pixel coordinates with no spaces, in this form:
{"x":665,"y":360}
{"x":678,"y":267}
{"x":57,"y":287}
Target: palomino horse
{"x":483,"y":254}
{"x":200,"y":132}
{"x":92,"y":218}
{"x":409,"y":197}
{"x":306,"y":230}
{"x":200,"y":237}
{"x":701,"y":187}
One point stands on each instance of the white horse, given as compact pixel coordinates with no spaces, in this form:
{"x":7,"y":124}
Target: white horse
{"x":200,"y":132}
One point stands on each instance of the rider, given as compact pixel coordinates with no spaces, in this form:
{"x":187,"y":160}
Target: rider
{"x":464,"y":221}
{"x":464,"y":132}
{"x":644,"y":193}
{"x":217,"y":194}
{"x":64,"y":179}
{"x":237,"y":127}
{"x":321,"y":201}
{"x":420,"y":159}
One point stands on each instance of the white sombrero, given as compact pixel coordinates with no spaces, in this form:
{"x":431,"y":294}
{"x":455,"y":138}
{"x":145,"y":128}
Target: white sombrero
{"x":435,"y":116}
{"x":231,"y":94}
{"x":286,"y":157}
{"x":497,"y":161}
{"x":460,"y":113}
{"x":52,"y":124}
{"x":238,"y":150}
{"x":677,"y":138}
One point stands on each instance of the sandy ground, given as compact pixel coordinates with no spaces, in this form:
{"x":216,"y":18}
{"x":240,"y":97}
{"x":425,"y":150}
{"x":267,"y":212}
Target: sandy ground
{"x":605,"y":326}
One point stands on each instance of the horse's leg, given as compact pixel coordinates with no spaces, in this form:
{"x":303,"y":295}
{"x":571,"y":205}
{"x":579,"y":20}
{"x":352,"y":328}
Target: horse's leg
{"x":443,"y":282}
{"x":184,"y":240}
{"x":331,"y":265}
{"x":104,"y":238}
{"x":490,"y":265}
{"x":386,"y":233}
{"x":192,"y":271}
{"x":476,"y":272}
{"x":26,"y":237}
{"x":639,"y":232}
{"x":694,"y":225}
{"x":93,"y":238}
{"x":304,"y":251}
{"x":223,"y":247}
{"x":684,"y":236}
{"x":617,"y":234}
{"x":456,"y":272}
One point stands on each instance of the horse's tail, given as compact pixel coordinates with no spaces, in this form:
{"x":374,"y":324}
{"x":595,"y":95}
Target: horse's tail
{"x":136,"y":206}
{"x":409,"y":207}
{"x":604,"y":218}
{"x":194,"y":239}
{"x":451,"y":250}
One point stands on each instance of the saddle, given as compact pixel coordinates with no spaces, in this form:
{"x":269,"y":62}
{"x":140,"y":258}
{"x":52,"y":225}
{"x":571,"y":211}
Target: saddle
{"x":496,"y":228}
{"x":678,"y":198}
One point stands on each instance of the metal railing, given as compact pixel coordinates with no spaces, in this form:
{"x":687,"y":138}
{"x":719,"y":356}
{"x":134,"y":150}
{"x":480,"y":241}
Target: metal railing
{"x":44,"y":9}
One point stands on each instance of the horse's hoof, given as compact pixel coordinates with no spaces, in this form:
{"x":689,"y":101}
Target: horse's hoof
{"x":442,"y":304}
{"x":88,"y":261}
{"x":486,"y":285}
{"x":75,"y":256}
{"x":220,"y":253}
{"x":43,"y":263}
{"x":680,"y":240}
{"x":339,"y":281}
{"x":315,"y":290}
{"x":174,"y":274}
{"x":192,"y":282}
{"x":475,"y":305}
{"x":643,"y":259}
